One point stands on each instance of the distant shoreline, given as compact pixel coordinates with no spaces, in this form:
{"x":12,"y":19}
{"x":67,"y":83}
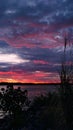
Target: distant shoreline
{"x":5,"y":83}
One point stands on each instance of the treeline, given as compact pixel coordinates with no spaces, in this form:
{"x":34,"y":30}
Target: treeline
{"x":50,"y":112}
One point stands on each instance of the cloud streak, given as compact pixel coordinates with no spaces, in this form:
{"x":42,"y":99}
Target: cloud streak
{"x":32,"y":38}
{"x":11,"y":59}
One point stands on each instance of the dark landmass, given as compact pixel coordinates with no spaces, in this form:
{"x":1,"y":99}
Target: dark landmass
{"x":5,"y":83}
{"x":46,"y":112}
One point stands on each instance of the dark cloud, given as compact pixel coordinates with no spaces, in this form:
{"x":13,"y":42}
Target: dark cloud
{"x":33,"y":31}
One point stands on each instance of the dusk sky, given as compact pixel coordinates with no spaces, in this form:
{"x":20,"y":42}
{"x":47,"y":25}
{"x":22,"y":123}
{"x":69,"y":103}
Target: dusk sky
{"x":32,"y":37}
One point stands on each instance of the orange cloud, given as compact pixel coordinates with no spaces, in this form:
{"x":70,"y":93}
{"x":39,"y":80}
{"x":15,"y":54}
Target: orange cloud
{"x":29,"y":77}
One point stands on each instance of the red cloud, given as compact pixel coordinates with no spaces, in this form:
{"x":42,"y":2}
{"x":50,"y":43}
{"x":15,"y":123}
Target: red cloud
{"x":30,"y":41}
{"x":29,"y":77}
{"x":45,"y":38}
{"x":40,"y":62}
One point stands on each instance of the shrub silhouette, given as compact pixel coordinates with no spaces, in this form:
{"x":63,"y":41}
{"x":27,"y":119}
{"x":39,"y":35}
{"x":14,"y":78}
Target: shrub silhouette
{"x":14,"y":102}
{"x":66,"y":90}
{"x":47,"y":113}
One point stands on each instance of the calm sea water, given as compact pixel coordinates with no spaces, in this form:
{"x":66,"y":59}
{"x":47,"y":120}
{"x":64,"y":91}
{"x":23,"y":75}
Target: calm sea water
{"x":36,"y":90}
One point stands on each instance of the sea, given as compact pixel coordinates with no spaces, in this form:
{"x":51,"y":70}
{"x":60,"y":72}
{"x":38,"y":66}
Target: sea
{"x":34,"y":90}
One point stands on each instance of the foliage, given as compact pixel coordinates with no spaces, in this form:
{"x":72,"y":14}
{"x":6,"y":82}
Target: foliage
{"x":13,"y":100}
{"x":43,"y":113}
{"x":66,"y":88}
{"x":47,"y":113}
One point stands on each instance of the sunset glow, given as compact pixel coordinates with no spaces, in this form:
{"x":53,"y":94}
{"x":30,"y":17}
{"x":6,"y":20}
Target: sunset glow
{"x":32,"y":39}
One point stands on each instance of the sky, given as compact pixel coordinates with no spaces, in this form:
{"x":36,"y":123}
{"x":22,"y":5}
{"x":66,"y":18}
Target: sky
{"x":32,"y":37}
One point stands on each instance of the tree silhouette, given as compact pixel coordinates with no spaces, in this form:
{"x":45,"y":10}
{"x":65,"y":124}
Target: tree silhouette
{"x":66,"y":91}
{"x":14,"y":102}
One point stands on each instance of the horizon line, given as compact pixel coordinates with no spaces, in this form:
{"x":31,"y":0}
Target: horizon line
{"x":31,"y":83}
